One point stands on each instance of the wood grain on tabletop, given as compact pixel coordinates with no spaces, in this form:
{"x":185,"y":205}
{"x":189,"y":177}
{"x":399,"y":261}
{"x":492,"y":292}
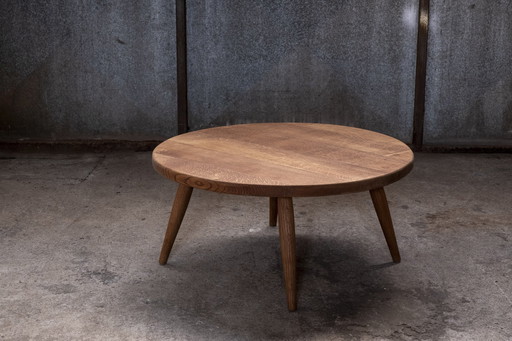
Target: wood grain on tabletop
{"x":283,"y":159}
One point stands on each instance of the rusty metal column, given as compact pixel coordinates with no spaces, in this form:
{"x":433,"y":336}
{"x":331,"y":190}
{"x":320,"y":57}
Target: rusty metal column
{"x":181,"y":65}
{"x":421,"y":75}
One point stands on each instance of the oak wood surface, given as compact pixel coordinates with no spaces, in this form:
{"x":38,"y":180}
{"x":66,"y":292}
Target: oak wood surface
{"x":283,"y":159}
{"x":382,"y":209}
{"x":178,"y":210}
{"x":287,"y":244}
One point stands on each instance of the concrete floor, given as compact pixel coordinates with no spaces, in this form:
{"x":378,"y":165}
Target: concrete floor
{"x":80,"y":237}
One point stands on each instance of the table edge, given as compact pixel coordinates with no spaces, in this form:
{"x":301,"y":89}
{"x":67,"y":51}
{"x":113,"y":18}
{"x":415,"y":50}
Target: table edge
{"x":284,"y":191}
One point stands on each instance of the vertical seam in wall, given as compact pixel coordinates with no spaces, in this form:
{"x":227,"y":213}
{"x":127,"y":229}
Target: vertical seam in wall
{"x":181,"y":66}
{"x":421,"y":74}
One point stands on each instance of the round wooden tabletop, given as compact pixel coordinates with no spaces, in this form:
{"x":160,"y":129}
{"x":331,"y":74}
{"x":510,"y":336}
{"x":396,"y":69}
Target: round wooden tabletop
{"x":283,"y":159}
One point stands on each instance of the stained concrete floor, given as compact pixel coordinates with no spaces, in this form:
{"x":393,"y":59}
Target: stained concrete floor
{"x":80,"y":238}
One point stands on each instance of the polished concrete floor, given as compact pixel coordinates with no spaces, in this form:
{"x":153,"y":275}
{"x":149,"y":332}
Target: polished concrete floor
{"x":80,"y":237}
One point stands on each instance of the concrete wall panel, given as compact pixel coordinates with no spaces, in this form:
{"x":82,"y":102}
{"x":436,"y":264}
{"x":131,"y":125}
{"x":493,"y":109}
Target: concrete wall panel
{"x":87,"y":69}
{"x":345,"y":62}
{"x":469,"y":73}
{"x":106,"y":69}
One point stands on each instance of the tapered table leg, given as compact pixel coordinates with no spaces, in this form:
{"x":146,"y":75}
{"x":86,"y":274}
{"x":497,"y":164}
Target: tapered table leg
{"x":287,"y":241}
{"x":381,"y":207}
{"x":272,"y":221}
{"x":177,"y":213}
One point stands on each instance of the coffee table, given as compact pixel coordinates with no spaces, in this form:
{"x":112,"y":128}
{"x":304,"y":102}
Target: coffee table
{"x":282,"y":161}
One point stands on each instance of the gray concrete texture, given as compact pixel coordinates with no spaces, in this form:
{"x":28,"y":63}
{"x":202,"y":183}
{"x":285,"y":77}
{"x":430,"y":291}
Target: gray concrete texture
{"x":344,"y":62}
{"x":469,"y":83}
{"x":106,"y":69}
{"x":87,"y":69}
{"x":80,"y":238}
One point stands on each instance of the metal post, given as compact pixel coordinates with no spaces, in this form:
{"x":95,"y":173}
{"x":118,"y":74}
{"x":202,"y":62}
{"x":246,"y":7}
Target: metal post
{"x":181,"y":63}
{"x":421,"y":74}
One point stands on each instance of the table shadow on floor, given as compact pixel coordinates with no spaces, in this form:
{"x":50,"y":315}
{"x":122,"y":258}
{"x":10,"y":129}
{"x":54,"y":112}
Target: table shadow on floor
{"x":233,"y":289}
